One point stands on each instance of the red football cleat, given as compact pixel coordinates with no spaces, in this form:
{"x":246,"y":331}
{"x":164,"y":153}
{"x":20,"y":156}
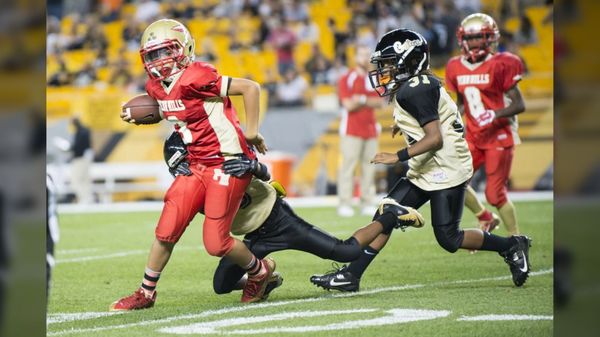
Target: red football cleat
{"x":255,"y":287}
{"x":135,"y":301}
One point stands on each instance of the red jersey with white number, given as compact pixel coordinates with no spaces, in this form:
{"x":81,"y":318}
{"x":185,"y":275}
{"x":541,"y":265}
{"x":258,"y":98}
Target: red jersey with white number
{"x":361,"y":122}
{"x":197,"y":103}
{"x":483,"y":86}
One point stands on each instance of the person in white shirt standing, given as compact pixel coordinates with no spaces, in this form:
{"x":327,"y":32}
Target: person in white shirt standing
{"x":358,"y":133}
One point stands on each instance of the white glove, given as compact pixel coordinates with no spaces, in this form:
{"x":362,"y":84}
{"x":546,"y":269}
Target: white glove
{"x":486,"y":118}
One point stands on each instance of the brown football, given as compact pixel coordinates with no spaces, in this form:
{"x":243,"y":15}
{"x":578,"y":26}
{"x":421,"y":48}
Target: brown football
{"x":143,"y":109}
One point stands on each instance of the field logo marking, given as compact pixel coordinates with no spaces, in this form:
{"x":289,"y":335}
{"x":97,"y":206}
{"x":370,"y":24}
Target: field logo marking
{"x":507,"y":318}
{"x":394,"y":316}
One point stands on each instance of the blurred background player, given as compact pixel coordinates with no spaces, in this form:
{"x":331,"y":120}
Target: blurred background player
{"x":52,"y":231}
{"x":438,"y":157}
{"x":487,"y":92}
{"x":194,"y":98}
{"x":83,"y":156}
{"x":358,"y":134}
{"x":269,"y":224}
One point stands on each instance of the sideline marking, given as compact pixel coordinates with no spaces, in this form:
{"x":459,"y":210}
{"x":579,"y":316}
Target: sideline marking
{"x":506,"y":318}
{"x":208,"y":313}
{"x":395,"y":316}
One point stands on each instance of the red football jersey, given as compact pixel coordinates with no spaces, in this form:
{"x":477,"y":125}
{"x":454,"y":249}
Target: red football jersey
{"x":483,"y":86}
{"x":197,"y":103}
{"x":362,"y":122}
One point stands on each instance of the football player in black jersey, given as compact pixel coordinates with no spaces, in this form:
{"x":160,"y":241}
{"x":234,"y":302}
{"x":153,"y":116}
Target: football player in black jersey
{"x":438,"y":157}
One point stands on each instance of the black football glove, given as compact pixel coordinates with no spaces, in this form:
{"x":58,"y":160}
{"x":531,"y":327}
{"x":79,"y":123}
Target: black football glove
{"x":175,"y":153}
{"x":242,"y":165}
{"x":183,"y":168}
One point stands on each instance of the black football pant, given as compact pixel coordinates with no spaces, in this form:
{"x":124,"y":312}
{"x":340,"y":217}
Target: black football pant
{"x":283,"y":230}
{"x":446,"y":209}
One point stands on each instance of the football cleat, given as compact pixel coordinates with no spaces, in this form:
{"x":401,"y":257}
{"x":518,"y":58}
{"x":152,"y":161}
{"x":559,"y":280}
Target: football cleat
{"x":517,"y":258}
{"x":135,"y":301}
{"x":338,"y":279}
{"x":407,"y":216}
{"x":255,"y":286}
{"x":275,"y":281}
{"x":488,"y":221}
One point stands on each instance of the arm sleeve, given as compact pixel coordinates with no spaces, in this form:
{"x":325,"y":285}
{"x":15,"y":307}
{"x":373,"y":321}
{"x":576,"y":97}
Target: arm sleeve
{"x":207,"y":82}
{"x":422,"y":104}
{"x":512,"y":72}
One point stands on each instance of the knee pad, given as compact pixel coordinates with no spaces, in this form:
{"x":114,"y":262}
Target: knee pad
{"x":218,"y":249}
{"x":450,"y":237}
{"x":495,"y":197}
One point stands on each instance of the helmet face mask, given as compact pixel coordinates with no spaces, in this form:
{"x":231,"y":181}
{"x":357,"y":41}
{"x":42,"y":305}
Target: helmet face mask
{"x":387,"y":76}
{"x":478,"y":36}
{"x":167,"y":49}
{"x":163,"y":60}
{"x":399,"y":55}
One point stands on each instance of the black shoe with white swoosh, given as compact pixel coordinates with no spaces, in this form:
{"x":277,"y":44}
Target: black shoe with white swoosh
{"x":517,"y":258}
{"x":337,"y":279}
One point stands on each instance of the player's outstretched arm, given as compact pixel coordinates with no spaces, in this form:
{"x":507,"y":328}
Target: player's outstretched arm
{"x":432,"y":141}
{"x":516,"y":106}
{"x":250,"y":91}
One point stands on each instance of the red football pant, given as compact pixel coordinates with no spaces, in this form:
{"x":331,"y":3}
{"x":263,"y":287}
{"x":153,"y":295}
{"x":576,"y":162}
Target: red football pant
{"x":207,"y":190}
{"x":498,"y":161}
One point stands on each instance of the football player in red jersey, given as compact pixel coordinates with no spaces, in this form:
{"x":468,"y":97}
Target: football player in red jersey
{"x":194,"y":97}
{"x":487,"y":92}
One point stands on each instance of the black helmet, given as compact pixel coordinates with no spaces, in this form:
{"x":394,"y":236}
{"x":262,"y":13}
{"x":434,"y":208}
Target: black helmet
{"x":399,"y":55}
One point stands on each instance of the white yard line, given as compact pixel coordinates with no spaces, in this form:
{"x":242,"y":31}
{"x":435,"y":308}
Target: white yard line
{"x":281,"y":303}
{"x":118,"y":254}
{"x":505,"y":317}
{"x":75,"y":251}
{"x":78,"y":316}
{"x":102,"y":257}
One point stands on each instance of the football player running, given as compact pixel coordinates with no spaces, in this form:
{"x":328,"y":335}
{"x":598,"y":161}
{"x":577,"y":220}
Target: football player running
{"x":438,"y":158}
{"x":269,"y":224}
{"x":487,"y":91}
{"x":194,"y":97}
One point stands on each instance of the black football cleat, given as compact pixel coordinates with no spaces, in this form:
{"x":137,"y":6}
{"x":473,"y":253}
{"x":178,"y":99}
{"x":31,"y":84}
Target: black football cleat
{"x":517,"y":258}
{"x":338,"y":279}
{"x":275,"y":281}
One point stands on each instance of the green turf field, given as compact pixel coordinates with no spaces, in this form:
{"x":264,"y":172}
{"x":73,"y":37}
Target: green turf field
{"x":413,"y":288}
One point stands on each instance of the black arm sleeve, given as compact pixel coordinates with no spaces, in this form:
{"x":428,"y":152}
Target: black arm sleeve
{"x":421,"y":104}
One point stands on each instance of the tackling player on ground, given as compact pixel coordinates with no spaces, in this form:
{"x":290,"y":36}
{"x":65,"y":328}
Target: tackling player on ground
{"x":269,"y":224}
{"x":193,"y":96}
{"x":438,"y":158}
{"x":487,"y":91}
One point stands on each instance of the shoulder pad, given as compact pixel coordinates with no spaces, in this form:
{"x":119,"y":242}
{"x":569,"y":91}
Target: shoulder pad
{"x":417,"y":85}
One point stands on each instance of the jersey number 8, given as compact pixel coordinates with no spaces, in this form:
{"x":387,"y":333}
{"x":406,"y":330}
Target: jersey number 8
{"x":473,"y":98}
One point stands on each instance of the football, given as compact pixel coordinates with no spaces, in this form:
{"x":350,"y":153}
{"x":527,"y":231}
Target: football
{"x":143,"y":109}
